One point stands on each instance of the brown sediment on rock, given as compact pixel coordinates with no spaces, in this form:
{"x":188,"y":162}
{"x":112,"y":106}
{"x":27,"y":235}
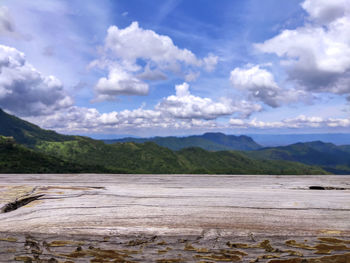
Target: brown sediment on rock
{"x":344,"y":258}
{"x":107,"y":238}
{"x":264,"y":257}
{"x":138,"y":242}
{"x":322,"y":248}
{"x":220,"y":257}
{"x":164,"y":251}
{"x":190,"y":247}
{"x":25,"y":259}
{"x":9,"y":239}
{"x":62,"y":243}
{"x":327,"y":249}
{"x":333,"y":240}
{"x":293,"y":253}
{"x":239,"y":245}
{"x":293,"y":243}
{"x":266,"y":245}
{"x":196,"y":249}
{"x":234,"y":252}
{"x":169,"y":260}
{"x":99,"y":254}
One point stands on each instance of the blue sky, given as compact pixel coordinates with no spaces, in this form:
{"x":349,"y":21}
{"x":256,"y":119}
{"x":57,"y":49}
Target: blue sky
{"x":171,"y":67}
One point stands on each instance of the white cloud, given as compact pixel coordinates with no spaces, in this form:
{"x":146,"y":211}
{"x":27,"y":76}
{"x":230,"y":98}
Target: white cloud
{"x":24,"y":90}
{"x":325,"y":11}
{"x":298,"y":122}
{"x":133,"y":44}
{"x":184,"y":105}
{"x":10,"y":57}
{"x":180,"y":111}
{"x":338,"y":122}
{"x":317,"y":55}
{"x":119,"y":82}
{"x":90,"y":120}
{"x":260,"y":85}
{"x":210,"y":62}
{"x":237,"y":122}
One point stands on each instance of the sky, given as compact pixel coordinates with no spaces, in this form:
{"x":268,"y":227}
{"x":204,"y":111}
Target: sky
{"x":177,"y":67}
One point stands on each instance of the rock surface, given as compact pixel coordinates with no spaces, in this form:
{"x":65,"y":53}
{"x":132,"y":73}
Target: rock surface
{"x":174,"y":218}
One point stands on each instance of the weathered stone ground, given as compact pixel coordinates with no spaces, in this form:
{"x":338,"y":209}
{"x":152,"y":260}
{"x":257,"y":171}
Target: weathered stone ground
{"x":174,"y":218}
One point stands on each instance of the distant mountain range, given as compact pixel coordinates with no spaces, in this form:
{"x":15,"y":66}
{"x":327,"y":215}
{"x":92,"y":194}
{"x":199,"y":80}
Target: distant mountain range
{"x":273,"y":140}
{"x":25,"y":147}
{"x":332,"y":158}
{"x":328,"y":156}
{"x":207,"y":141}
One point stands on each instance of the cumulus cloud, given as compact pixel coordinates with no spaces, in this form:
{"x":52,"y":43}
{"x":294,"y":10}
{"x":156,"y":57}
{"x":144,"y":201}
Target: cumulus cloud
{"x":119,"y":82}
{"x":324,"y":11}
{"x":187,"y":106}
{"x":78,"y":119}
{"x":134,"y":42}
{"x":298,"y":122}
{"x":157,"y":54}
{"x":24,"y":90}
{"x":317,"y":55}
{"x":260,"y":85}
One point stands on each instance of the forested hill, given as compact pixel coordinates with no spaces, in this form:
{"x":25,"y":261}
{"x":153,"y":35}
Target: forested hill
{"x":25,"y":132}
{"x":207,"y":141}
{"x":332,"y":158}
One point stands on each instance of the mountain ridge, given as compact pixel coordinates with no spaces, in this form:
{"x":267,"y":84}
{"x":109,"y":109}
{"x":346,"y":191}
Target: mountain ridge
{"x":332,"y":158}
{"x":25,"y":132}
{"x":209,"y":141}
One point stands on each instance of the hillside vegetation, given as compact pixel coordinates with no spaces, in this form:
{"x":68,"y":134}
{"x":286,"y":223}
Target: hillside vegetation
{"x":27,"y":133}
{"x":16,"y":158}
{"x":34,"y":150}
{"x":332,"y":158}
{"x":208,"y":141}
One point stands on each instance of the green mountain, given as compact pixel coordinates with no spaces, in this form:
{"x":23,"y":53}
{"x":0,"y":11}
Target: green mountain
{"x":51,"y":152}
{"x":207,"y":141}
{"x":332,"y":158}
{"x":15,"y":158}
{"x":230,"y":162}
{"x":151,"y":158}
{"x":119,"y":158}
{"x":25,"y":132}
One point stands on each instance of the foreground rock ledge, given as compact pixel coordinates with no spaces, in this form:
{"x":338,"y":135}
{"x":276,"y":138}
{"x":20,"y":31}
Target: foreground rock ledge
{"x":174,"y":218}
